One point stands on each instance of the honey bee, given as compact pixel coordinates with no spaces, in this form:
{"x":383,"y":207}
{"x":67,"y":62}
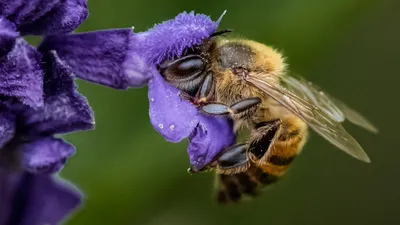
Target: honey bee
{"x":249,"y":82}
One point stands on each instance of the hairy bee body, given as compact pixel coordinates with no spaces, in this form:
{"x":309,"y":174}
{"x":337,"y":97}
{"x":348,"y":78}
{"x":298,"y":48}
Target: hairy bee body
{"x":231,"y":60}
{"x":249,"y":82}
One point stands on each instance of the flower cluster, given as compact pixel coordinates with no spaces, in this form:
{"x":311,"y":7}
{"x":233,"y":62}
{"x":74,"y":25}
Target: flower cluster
{"x":38,"y":97}
{"x":121,"y":59}
{"x":38,"y":100}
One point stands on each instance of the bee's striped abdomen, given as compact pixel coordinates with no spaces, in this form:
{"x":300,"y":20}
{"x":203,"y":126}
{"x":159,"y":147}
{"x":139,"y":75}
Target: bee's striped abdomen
{"x":232,"y":188}
{"x":286,"y":144}
{"x":272,"y":148}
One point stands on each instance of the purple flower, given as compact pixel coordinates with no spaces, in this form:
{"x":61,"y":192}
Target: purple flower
{"x":38,"y":17}
{"x":28,"y":199}
{"x":27,"y":139}
{"x":20,"y":73}
{"x":28,"y":144}
{"x":38,"y":100}
{"x":121,"y":59}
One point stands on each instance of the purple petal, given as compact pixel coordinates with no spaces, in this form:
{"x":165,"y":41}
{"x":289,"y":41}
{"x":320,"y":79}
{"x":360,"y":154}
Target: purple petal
{"x":171,"y":116}
{"x":211,"y":136}
{"x":37,"y":17}
{"x":59,"y":78}
{"x":35,"y":199}
{"x":170,"y":38}
{"x":8,"y":188}
{"x":64,"y":110}
{"x":61,"y":114}
{"x":47,"y":155}
{"x":21,"y":75}
{"x":8,"y":35}
{"x":107,"y":57}
{"x":7,"y":128}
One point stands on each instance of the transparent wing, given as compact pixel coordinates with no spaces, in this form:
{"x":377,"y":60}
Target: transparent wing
{"x":335,"y":108}
{"x":321,"y":112}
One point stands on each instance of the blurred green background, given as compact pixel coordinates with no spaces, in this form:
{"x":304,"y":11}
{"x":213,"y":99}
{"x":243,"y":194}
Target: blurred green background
{"x":131,"y":175}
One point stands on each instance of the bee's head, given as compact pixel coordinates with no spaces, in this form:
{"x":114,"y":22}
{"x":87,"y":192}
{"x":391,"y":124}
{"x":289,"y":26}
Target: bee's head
{"x":187,"y":71}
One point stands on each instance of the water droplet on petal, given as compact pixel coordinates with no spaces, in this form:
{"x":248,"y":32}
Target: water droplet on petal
{"x":160,"y":125}
{"x":172,"y":127}
{"x":152,"y":99}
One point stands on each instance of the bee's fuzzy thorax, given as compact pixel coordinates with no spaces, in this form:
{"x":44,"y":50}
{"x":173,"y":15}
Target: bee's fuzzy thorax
{"x":267,"y":58}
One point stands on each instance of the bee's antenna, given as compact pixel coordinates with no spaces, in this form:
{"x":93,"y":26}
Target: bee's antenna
{"x":221,"y":32}
{"x":207,"y":43}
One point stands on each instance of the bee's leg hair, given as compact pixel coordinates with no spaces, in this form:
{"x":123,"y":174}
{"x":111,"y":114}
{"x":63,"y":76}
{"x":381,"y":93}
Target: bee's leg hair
{"x":217,"y":109}
{"x":263,"y":135}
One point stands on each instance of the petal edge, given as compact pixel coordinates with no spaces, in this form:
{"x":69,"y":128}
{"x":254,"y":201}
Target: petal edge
{"x":171,"y":116}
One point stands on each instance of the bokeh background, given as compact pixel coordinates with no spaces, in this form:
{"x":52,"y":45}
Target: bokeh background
{"x":131,"y":175}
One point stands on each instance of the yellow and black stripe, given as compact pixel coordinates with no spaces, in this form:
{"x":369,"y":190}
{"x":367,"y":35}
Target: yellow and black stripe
{"x":272,"y":149}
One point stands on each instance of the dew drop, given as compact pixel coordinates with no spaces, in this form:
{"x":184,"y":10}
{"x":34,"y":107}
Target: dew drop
{"x":160,"y":125}
{"x":172,"y":127}
{"x":152,"y":99}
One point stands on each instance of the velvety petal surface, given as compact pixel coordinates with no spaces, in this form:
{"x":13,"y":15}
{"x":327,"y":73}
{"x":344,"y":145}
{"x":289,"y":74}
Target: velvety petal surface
{"x":107,"y":57}
{"x":46,"y":155}
{"x":8,"y":35}
{"x":170,"y":38}
{"x":173,"y":117}
{"x":64,"y":110}
{"x":21,"y":75}
{"x":8,"y":188}
{"x":7,"y":127}
{"x":39,"y":199}
{"x":37,"y":17}
{"x":210,"y":137}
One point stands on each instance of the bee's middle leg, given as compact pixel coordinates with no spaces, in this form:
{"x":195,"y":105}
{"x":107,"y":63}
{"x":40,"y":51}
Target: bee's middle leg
{"x":232,"y":160}
{"x":236,"y":158}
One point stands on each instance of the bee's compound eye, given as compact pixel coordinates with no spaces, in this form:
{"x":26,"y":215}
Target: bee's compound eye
{"x":191,"y":64}
{"x":187,"y":67}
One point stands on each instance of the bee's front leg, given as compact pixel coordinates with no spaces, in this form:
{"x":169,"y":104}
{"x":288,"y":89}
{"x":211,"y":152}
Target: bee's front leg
{"x":218,"y":109}
{"x":205,"y":94}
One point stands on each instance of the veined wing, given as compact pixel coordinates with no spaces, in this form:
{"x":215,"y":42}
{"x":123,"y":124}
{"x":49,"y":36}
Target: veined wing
{"x":335,"y":108}
{"x":318,"y":110}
